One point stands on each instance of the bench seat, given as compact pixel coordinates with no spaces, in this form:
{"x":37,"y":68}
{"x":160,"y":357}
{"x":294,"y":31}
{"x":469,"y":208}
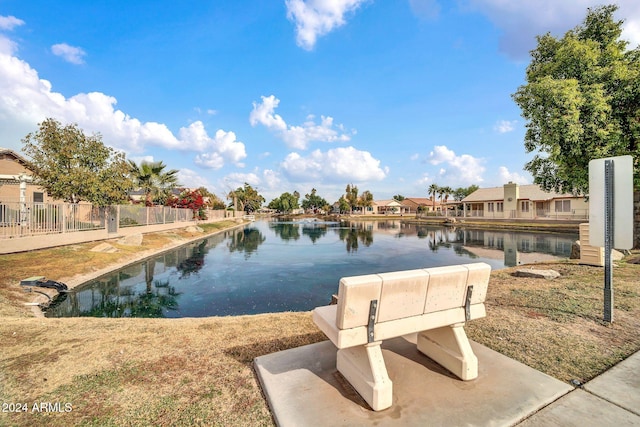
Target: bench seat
{"x":434,"y":302}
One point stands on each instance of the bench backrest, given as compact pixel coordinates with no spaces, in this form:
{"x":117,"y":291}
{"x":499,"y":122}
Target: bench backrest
{"x":409,"y":293}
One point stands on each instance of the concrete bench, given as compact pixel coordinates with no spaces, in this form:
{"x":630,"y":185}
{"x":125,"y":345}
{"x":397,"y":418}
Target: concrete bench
{"x":433,"y":302}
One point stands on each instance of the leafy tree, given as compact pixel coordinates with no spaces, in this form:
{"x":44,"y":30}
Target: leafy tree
{"x":366,"y":199}
{"x":314,"y":202}
{"x":247,"y":197}
{"x":151,"y":178}
{"x":286,"y":203}
{"x":211,"y":200}
{"x":462,"y":192}
{"x":189,"y":200}
{"x":343,"y":205}
{"x":581,"y":101}
{"x":74,"y":167}
{"x":351,"y":196}
{"x":398,"y":197}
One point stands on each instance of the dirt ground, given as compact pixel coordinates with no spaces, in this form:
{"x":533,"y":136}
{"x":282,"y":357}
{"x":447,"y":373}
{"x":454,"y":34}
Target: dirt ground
{"x":166,"y":372}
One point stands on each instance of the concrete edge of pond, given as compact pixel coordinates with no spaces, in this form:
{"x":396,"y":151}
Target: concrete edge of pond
{"x":43,"y":297}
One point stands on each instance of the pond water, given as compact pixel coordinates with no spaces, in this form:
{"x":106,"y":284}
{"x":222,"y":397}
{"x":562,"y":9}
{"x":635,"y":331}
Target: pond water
{"x":291,"y":266}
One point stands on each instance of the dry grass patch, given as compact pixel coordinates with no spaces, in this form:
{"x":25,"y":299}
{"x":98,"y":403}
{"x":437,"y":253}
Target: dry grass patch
{"x":163,"y":372}
{"x":145,"y":371}
{"x":556,"y":326}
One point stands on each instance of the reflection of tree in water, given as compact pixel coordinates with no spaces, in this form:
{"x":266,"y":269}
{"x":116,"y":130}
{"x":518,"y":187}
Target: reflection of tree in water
{"x":195,"y":262}
{"x":246,"y":241}
{"x":314,"y":232}
{"x":439,"y":238}
{"x":152,"y":302}
{"x":286,"y":231}
{"x":354,"y":236}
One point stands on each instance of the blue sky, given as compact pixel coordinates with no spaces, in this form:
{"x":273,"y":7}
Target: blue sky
{"x":288,"y":95}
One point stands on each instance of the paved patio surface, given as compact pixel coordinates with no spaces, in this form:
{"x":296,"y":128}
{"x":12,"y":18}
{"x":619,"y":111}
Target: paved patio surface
{"x":303,"y":388}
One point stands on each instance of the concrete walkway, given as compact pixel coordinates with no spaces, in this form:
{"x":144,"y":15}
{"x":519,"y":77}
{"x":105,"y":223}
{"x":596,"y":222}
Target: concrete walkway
{"x":303,"y":388}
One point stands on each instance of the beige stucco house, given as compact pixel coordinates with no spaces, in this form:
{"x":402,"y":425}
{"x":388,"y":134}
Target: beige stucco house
{"x":15,"y":180}
{"x":409,"y":205}
{"x":513,"y":201}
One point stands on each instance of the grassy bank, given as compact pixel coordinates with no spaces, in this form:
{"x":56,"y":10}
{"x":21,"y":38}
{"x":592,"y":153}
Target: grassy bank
{"x":198,"y":371}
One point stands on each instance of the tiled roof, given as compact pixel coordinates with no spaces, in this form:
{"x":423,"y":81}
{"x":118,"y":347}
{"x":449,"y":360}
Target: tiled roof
{"x":526,"y":192}
{"x":420,"y":201}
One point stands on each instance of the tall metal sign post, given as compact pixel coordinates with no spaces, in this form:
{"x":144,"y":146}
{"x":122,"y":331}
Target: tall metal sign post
{"x":610,"y":214}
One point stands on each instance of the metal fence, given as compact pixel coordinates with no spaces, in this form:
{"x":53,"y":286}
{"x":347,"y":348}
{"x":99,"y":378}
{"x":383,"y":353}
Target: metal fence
{"x":134,"y":215}
{"x":32,"y":219}
{"x":22,"y":219}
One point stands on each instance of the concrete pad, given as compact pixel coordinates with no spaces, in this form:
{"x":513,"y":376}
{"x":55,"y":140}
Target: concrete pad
{"x":582,"y":409}
{"x":620,"y":384}
{"x":303,"y":388}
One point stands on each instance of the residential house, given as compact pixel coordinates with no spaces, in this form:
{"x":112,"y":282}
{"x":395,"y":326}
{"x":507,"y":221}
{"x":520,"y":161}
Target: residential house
{"x":424,"y":204}
{"x":15,"y":180}
{"x":388,"y":207}
{"x":513,"y":201}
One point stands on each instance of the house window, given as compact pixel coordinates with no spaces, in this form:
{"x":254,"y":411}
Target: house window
{"x":500,"y":206}
{"x":490,"y":206}
{"x":563,"y":205}
{"x":524,"y":206}
{"x":38,"y":197}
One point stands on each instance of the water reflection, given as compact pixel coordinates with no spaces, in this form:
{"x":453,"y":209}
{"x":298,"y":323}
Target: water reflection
{"x":246,"y":240}
{"x":298,"y":269}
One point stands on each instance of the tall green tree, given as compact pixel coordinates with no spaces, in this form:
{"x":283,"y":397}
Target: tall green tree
{"x":365,"y":200}
{"x":286,"y":203}
{"x":581,"y":101}
{"x":432,"y":191}
{"x":74,"y":167}
{"x":247,"y":198}
{"x":211,"y":200}
{"x":351,"y":196}
{"x":152,"y":178}
{"x":314,"y":202}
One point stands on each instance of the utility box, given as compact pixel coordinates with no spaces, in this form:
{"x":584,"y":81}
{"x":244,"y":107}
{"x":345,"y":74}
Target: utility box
{"x":589,"y":255}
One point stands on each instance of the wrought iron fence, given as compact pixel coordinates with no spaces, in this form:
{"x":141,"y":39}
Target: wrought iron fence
{"x":134,"y":215}
{"x":19,"y":219}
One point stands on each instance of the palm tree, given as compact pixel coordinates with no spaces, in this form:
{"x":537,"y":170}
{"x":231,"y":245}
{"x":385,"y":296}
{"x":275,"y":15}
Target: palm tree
{"x":151,"y":178}
{"x":433,"y":189}
{"x":446,"y":191}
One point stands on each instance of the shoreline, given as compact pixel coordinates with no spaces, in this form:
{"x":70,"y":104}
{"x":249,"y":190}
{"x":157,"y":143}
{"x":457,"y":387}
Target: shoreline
{"x":45,"y":296}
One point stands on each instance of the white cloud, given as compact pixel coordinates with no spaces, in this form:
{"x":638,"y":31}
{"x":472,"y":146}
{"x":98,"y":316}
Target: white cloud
{"x":27,"y":100}
{"x":70,"y":54}
{"x":237,"y":179}
{"x":505,"y":176}
{"x":344,"y":164}
{"x":223,"y":146}
{"x":505,"y":126}
{"x":314,"y":18}
{"x":414,"y":157}
{"x":271,"y":179}
{"x":297,"y":137}
{"x":8,"y":23}
{"x":462,"y":170}
{"x":192,"y":179}
{"x":522,"y":20}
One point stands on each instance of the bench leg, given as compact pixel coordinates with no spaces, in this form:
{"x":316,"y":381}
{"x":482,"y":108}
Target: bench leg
{"x":449,"y":346}
{"x":364,"y":368}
